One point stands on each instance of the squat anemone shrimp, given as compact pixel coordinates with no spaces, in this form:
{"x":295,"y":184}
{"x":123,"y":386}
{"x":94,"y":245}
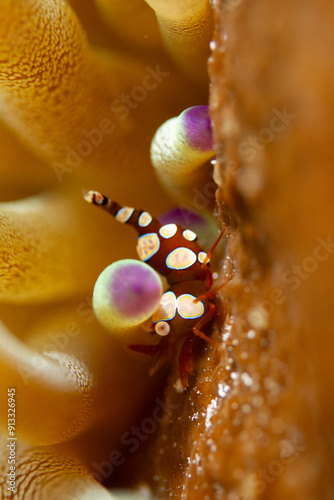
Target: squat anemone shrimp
{"x":179,"y":152}
{"x":183,"y":310}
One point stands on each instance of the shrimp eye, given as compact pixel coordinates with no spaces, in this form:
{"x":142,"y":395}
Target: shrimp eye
{"x":162,"y":328}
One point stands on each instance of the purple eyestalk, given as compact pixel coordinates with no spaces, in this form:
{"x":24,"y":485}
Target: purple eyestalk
{"x":126,"y":294}
{"x":183,"y":217}
{"x":202,"y":223}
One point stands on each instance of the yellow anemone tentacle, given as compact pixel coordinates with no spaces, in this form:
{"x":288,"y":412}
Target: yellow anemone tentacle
{"x":180,"y":150}
{"x":133,"y":21}
{"x":186,"y":28}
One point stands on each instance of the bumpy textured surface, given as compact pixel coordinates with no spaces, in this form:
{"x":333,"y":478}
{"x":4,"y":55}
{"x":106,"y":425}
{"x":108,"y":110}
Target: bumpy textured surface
{"x":74,"y":115}
{"x":186,"y":29}
{"x":256,"y":423}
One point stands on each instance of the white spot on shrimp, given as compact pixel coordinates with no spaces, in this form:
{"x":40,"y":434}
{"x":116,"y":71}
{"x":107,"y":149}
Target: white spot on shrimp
{"x":124,"y":214}
{"x":189,"y":235}
{"x":168,"y":230}
{"x":180,"y":258}
{"x":144,"y":219}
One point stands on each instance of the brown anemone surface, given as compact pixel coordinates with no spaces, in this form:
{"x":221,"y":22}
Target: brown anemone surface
{"x":258,"y":421}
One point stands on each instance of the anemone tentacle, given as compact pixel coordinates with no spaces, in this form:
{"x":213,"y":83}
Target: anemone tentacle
{"x":126,"y":294}
{"x":140,"y":28}
{"x":61,"y":382}
{"x":34,"y":266}
{"x":179,"y":151}
{"x":186,"y":28}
